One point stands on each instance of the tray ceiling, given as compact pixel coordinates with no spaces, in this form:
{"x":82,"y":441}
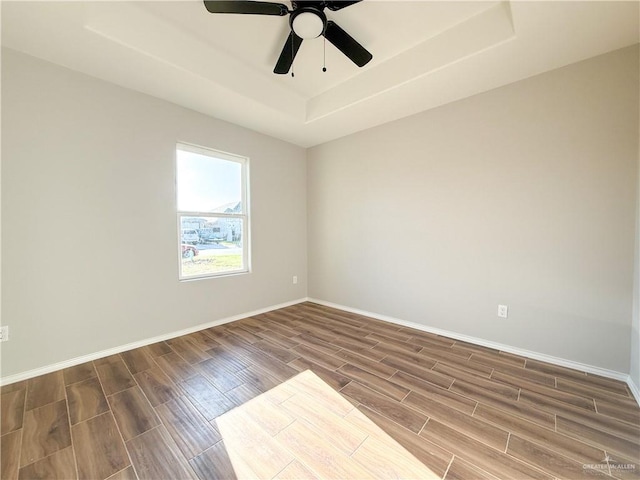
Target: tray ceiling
{"x":425,"y":54}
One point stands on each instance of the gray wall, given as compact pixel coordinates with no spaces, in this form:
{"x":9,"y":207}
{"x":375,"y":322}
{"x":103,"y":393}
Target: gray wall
{"x":524,"y":195}
{"x":89,"y":244}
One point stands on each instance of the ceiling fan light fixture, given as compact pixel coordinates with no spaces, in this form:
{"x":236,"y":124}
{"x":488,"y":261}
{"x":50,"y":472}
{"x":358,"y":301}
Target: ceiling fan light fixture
{"x":308,"y":24}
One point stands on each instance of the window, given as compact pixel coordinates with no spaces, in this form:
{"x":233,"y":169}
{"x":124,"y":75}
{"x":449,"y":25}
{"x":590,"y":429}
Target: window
{"x":213,"y":217}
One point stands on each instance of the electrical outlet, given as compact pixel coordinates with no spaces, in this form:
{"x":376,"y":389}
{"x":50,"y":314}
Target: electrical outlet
{"x":295,"y":280}
{"x":503,"y":311}
{"x":4,"y":333}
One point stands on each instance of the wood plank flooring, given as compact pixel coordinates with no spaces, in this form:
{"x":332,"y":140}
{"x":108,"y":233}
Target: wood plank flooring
{"x":462,"y":410}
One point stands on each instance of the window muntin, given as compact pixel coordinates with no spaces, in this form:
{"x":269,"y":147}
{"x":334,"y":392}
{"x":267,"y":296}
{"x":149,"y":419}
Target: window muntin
{"x":213,"y":221}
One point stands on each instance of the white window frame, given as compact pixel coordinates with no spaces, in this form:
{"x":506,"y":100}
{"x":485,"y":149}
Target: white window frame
{"x":244,"y":216}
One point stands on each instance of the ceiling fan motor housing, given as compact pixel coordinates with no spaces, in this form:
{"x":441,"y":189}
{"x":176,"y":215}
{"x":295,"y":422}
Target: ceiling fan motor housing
{"x":308,"y":22}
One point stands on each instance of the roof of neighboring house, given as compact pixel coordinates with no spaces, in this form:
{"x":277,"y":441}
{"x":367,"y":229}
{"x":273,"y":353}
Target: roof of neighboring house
{"x":233,"y":207}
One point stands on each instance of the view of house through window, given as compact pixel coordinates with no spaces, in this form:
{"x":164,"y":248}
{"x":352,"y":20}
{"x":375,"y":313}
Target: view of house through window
{"x":212,"y":212}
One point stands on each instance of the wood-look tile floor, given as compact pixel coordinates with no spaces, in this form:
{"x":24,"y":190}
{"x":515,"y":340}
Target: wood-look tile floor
{"x":463,"y":411}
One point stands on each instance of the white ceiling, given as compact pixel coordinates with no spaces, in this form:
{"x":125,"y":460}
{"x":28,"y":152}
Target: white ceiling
{"x":425,"y":54}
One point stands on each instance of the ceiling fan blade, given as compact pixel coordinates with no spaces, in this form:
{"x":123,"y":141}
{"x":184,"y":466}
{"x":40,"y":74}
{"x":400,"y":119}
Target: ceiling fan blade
{"x":289,"y":50}
{"x":338,"y":4}
{"x":246,"y":7}
{"x":347,"y":44}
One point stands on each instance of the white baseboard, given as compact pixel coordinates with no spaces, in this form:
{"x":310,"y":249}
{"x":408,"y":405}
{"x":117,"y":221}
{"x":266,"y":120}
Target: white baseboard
{"x":129,"y":346}
{"x":562,"y":362}
{"x":624,"y":377}
{"x":634,"y":389}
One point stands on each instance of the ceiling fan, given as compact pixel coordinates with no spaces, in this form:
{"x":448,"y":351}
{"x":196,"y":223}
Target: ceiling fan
{"x":307,"y":20}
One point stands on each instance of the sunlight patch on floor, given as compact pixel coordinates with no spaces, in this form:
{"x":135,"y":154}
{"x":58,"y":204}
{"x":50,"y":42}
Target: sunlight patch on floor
{"x":303,"y":429}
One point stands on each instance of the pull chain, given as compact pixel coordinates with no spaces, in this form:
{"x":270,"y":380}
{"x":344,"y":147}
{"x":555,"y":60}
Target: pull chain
{"x":292,"y":57}
{"x":324,"y":54}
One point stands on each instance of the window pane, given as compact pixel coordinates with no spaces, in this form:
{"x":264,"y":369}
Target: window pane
{"x":211,"y":246}
{"x":208,"y":184}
